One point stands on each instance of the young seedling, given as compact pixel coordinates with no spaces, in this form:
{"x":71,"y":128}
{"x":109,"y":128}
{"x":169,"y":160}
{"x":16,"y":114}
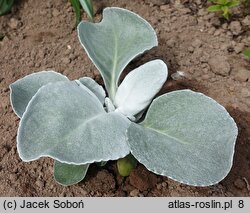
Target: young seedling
{"x":185,"y":135}
{"x":223,"y":6}
{"x":86,"y":5}
{"x":5,"y":6}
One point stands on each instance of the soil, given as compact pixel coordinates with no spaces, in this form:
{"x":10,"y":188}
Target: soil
{"x":40,"y":35}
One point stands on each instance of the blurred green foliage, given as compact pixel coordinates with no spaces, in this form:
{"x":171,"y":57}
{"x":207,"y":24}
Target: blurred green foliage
{"x":223,"y":6}
{"x":86,"y":5}
{"x":5,"y":6}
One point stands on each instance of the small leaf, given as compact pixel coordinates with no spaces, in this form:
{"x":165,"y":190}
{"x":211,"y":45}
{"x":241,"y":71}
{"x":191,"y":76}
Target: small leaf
{"x":214,"y":8}
{"x":246,"y":52}
{"x":185,"y":136}
{"x":139,"y":87}
{"x":233,"y":3}
{"x":88,"y":8}
{"x":67,"y":122}
{"x":68,"y":174}
{"x":22,"y":90}
{"x":114,"y":42}
{"x":77,"y":8}
{"x":94,"y":87}
{"x":226,"y":15}
{"x":225,"y":10}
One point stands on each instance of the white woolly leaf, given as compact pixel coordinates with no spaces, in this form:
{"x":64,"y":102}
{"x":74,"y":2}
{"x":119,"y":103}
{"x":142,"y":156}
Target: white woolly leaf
{"x":186,"y":136}
{"x":67,"y":122}
{"x":115,"y":41}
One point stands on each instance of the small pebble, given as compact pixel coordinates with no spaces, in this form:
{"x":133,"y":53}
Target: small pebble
{"x":242,"y":75}
{"x":245,"y":92}
{"x":134,"y":193}
{"x":246,"y":21}
{"x":13,"y":24}
{"x":190,"y":49}
{"x":39,"y":183}
{"x":239,"y":183}
{"x":197,"y":43}
{"x":219,"y":65}
{"x":55,"y":12}
{"x":235,"y":27}
{"x":65,"y":60}
{"x":239,"y":47}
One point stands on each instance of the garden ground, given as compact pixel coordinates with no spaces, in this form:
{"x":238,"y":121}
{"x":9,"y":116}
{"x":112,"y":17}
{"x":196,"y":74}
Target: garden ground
{"x":40,"y":35}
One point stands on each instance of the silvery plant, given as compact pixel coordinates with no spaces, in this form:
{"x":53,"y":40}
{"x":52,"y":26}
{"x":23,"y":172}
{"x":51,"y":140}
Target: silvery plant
{"x":183,"y":135}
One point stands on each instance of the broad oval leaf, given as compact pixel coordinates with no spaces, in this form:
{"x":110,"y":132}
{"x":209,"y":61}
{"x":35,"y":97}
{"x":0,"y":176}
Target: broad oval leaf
{"x":140,"y":86}
{"x":114,"y":42}
{"x":67,"y":122}
{"x":68,"y":174}
{"x":186,"y":136}
{"x":22,"y":90}
{"x":214,"y":8}
{"x":94,"y":87}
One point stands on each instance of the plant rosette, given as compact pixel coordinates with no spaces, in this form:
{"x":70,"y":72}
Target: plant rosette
{"x":185,"y":135}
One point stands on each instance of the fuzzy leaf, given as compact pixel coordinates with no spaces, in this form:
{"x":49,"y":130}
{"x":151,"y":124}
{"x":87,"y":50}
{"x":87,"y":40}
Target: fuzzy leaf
{"x":22,"y":90}
{"x":68,"y":174}
{"x":94,"y":87}
{"x":186,"y":136}
{"x":140,"y":86}
{"x":67,"y":122}
{"x":114,"y":42}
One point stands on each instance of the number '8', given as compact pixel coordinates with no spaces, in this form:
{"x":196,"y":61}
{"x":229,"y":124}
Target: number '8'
{"x":241,"y":204}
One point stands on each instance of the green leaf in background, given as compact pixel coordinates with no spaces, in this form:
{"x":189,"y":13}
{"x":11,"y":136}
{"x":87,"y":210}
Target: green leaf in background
{"x":77,"y":8}
{"x":226,"y":13}
{"x":132,"y":95}
{"x":88,"y":8}
{"x":5,"y":6}
{"x":114,"y":42}
{"x":246,"y":52}
{"x":233,"y":3}
{"x":214,"y":8}
{"x":126,"y":165}
{"x":185,"y":136}
{"x":68,"y":174}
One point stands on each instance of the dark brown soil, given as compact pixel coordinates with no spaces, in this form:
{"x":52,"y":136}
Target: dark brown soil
{"x":40,"y":35}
